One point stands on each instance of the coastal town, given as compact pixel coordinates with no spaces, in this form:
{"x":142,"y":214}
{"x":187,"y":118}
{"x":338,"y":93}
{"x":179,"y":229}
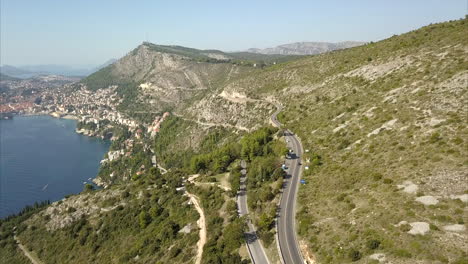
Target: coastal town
{"x":71,"y":100}
{"x":96,"y":112}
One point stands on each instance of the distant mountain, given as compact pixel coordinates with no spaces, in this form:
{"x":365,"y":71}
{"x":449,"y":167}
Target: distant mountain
{"x":13,"y":71}
{"x":306,"y":48}
{"x":4,"y":77}
{"x":58,"y":69}
{"x":29,"y":71}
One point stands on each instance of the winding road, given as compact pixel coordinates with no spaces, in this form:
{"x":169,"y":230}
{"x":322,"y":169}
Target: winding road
{"x":254,"y":246}
{"x":286,"y":225}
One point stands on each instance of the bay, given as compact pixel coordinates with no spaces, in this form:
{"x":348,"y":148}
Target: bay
{"x":43,"y":158}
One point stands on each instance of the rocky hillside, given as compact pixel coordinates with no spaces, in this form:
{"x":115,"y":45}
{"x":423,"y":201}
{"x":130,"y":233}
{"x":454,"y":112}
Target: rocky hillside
{"x":385,"y":126}
{"x":186,"y":81}
{"x":386,"y":129}
{"x":307,"y":48}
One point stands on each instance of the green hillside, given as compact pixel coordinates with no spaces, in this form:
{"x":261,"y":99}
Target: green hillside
{"x":384,"y":129}
{"x":382,"y":118}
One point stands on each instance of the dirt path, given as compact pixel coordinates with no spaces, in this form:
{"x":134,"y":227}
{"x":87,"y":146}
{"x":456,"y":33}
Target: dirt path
{"x":30,"y":255}
{"x":222,"y":185}
{"x":202,"y":224}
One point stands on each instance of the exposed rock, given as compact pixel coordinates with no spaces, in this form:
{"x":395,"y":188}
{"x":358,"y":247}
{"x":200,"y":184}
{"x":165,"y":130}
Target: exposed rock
{"x":378,"y":256}
{"x":446,"y":183}
{"x":419,"y":228}
{"x":427,"y":200}
{"x":408,"y":187}
{"x":338,"y":128}
{"x":65,"y":212}
{"x":401,"y":223}
{"x":377,"y":70}
{"x":186,"y":229}
{"x":386,"y":126}
{"x":454,"y":228}
{"x":462,"y":197}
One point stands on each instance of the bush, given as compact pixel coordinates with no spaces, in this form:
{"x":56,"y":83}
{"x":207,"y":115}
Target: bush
{"x":355,"y":255}
{"x":88,"y":187}
{"x":144,"y":219}
{"x":267,"y":237}
{"x":373,"y":244}
{"x":387,"y":181}
{"x":435,"y":137}
{"x":377,"y":176}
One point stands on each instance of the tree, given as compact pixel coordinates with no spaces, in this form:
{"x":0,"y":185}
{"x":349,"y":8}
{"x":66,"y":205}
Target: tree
{"x":266,"y":194}
{"x":234,"y":234}
{"x":155,"y":211}
{"x":265,"y":222}
{"x":144,"y":219}
{"x":234,"y":180}
{"x":88,"y":187}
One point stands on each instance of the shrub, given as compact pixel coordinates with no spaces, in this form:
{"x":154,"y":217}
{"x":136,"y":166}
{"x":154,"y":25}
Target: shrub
{"x":88,"y":187}
{"x":341,"y":197}
{"x":435,"y":137}
{"x":377,"y":176}
{"x":373,"y":244}
{"x":355,"y":255}
{"x":125,"y":194}
{"x":387,"y":181}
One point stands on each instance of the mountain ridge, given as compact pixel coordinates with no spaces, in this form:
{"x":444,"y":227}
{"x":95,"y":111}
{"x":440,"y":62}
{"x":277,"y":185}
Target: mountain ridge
{"x":306,"y":48}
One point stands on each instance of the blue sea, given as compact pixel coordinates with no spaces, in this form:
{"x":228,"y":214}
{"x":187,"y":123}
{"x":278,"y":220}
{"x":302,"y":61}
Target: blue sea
{"x":42,"y":158}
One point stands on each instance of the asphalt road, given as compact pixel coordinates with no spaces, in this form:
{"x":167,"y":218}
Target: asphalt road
{"x":287,"y":240}
{"x":254,"y":246}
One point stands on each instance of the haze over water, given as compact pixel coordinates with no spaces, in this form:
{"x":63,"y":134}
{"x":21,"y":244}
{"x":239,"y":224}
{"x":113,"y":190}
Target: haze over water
{"x":42,"y":158}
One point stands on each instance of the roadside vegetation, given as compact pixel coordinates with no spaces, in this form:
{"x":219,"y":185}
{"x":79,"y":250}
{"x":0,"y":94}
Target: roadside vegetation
{"x":385,"y":124}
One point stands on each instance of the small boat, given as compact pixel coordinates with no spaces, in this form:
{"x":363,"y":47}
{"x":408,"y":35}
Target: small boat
{"x":45,"y":187}
{"x":84,"y":182}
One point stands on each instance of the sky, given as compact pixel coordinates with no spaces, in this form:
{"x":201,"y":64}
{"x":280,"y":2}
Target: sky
{"x":90,"y":32}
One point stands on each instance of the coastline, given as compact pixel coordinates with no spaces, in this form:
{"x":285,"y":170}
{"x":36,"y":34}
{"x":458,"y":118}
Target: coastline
{"x":96,"y":180}
{"x":52,"y":114}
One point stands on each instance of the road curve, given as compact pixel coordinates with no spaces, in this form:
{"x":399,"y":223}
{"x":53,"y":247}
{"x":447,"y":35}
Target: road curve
{"x":254,"y":246}
{"x":286,"y":225}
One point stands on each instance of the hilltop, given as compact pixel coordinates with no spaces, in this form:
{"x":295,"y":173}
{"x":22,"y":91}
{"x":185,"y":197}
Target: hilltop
{"x":179,"y":79}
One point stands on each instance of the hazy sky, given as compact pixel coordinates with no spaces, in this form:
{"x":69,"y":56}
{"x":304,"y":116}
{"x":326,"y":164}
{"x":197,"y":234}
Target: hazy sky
{"x":89,"y":32}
